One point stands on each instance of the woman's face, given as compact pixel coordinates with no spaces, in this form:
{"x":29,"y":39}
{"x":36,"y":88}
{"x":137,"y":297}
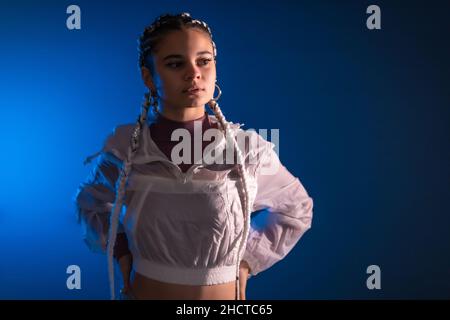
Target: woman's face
{"x":183,"y":59}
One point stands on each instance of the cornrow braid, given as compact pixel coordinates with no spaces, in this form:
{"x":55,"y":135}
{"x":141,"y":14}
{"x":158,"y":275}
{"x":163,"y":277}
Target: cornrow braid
{"x":163,"y":24}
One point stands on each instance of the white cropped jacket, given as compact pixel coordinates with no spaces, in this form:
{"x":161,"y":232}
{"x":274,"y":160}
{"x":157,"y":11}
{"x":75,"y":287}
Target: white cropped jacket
{"x":183,"y":227}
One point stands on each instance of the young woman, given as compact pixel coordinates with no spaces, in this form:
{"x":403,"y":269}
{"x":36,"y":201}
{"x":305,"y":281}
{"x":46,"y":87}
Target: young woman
{"x":183,"y":226}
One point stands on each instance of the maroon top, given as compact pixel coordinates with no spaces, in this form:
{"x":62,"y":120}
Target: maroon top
{"x":161,"y":131}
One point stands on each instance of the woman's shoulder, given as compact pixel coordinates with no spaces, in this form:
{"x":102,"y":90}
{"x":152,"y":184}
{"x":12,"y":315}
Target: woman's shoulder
{"x":114,"y":143}
{"x":120,"y":134}
{"x":261,"y":155}
{"x":253,"y":142}
{"x":118,"y":140}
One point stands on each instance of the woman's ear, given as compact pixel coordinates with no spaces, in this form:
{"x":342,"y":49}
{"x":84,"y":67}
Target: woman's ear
{"x":147,"y":78}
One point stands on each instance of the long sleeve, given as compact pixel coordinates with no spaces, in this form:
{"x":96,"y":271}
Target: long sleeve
{"x":96,"y":195}
{"x":94,"y":200}
{"x":289,"y":213}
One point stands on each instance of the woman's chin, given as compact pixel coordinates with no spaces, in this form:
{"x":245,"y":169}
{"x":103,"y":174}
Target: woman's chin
{"x":193,"y":103}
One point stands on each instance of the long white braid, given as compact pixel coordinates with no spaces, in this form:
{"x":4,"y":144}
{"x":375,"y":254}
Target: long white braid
{"x":120,"y":186}
{"x":244,"y":182}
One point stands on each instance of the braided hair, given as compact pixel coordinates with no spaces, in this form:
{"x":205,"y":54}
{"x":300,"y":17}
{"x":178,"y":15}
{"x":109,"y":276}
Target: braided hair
{"x":164,"y":24}
{"x":147,"y":44}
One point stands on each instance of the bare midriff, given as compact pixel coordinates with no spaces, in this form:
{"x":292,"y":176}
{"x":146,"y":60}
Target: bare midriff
{"x":146,"y":288}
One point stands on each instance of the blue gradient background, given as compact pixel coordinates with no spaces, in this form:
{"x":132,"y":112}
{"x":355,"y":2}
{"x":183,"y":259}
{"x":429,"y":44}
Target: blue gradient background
{"x":363,"y":118}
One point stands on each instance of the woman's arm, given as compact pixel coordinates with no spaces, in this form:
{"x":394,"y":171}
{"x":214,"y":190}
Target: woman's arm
{"x":96,"y":195}
{"x":289,"y":213}
{"x":244,"y":271}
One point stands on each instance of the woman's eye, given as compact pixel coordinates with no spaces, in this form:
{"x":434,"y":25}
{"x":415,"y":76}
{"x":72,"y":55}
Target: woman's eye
{"x":173,"y":64}
{"x":205,"y":61}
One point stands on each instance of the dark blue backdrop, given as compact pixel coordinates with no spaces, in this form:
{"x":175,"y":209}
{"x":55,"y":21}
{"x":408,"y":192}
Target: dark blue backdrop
{"x":363,"y":118}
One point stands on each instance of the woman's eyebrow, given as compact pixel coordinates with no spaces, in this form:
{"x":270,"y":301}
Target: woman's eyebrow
{"x":181,"y":56}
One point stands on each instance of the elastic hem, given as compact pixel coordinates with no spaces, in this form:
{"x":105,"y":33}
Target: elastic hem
{"x":186,"y":276}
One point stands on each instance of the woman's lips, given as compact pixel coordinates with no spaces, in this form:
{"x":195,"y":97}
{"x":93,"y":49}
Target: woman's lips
{"x":193,"y":91}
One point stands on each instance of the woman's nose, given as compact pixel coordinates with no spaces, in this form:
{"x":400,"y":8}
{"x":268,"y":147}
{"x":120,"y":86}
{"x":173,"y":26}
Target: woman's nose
{"x":192,"y":72}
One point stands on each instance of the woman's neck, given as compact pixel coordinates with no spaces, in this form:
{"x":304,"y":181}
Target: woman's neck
{"x":183,"y":114}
